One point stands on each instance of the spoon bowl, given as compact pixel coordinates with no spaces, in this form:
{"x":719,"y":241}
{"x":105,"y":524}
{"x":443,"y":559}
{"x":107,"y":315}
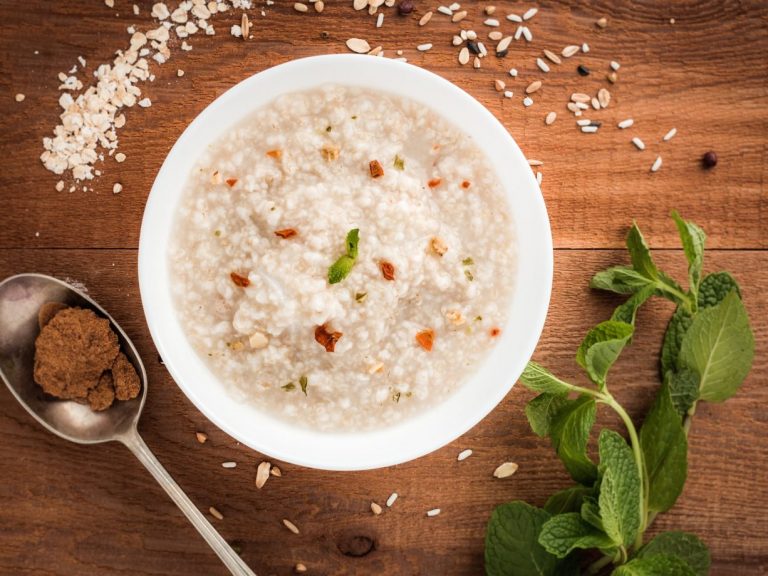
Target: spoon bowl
{"x":21,"y":297}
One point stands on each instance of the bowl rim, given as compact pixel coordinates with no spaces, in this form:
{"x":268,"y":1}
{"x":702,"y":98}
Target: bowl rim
{"x":401,"y":442}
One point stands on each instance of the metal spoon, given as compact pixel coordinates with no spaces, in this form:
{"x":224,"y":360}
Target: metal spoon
{"x":20,"y":300}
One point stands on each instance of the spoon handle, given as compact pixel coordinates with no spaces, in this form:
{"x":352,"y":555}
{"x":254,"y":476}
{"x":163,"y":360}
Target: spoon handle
{"x":223,"y":550}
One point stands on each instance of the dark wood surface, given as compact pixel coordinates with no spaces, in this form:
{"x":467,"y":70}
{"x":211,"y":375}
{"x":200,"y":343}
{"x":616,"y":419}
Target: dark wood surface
{"x":69,"y":509}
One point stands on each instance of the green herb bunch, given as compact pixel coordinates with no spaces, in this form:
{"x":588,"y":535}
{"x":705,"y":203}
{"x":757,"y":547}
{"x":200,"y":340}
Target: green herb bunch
{"x":597,"y":525}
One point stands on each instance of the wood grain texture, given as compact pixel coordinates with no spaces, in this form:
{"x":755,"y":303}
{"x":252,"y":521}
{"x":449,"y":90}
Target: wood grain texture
{"x":95,"y":508}
{"x":71,"y":510}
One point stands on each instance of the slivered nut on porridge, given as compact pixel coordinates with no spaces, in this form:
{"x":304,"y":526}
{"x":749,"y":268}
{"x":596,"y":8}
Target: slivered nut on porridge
{"x":387,"y":270}
{"x":276,"y":154}
{"x":426,"y":339}
{"x":438,"y":245}
{"x":434,"y":182}
{"x":241,"y":281}
{"x":231,"y":182}
{"x":286,"y":233}
{"x":377,"y":170}
{"x":330,"y":152}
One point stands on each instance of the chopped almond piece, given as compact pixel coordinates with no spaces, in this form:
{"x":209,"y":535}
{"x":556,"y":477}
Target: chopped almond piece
{"x":330,"y":152}
{"x":276,"y":154}
{"x":326,"y":338}
{"x":435,"y":182}
{"x":377,"y":171}
{"x":216,"y":177}
{"x":286,"y":233}
{"x":231,"y":182}
{"x":438,"y":245}
{"x":494,"y":332}
{"x":241,"y":281}
{"x":466,"y":184}
{"x":426,"y":339}
{"x":387,"y":270}
{"x":455,"y":317}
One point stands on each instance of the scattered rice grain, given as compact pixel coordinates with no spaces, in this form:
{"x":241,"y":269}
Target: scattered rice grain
{"x":464,"y":454}
{"x":495,"y":35}
{"x":669,"y":135}
{"x":533,"y":86}
{"x":589,"y":129}
{"x":290,"y":525}
{"x":552,"y":57}
{"x":656,"y":164}
{"x":215,"y":513}
{"x":424,"y":47}
{"x":433,"y":512}
{"x":391,"y":499}
{"x":626,"y":123}
{"x":229,"y":464}
{"x":530,"y":13}
{"x":527,"y":34}
{"x":459,"y":16}
{"x":426,"y":18}
{"x":639,"y":144}
{"x":464,"y":56}
{"x":550,"y":118}
{"x":543,"y":66}
{"x":514,"y":18}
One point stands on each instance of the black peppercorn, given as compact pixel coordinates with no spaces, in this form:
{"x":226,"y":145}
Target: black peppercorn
{"x":473,"y":47}
{"x":583,"y":70}
{"x":405,"y":7}
{"x":709,"y":160}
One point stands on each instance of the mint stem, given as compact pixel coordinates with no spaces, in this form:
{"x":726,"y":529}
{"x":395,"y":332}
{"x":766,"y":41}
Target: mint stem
{"x":598,"y":565}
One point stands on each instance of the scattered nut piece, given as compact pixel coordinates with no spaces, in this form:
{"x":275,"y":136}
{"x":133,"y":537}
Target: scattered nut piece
{"x":387,"y":270}
{"x":434,"y":512}
{"x":231,"y":182}
{"x":326,"y":338}
{"x":179,"y":72}
{"x":330,"y":152}
{"x":374,"y":368}
{"x":286,"y":233}
{"x":602,"y":22}
{"x":262,"y":474}
{"x":216,"y":178}
{"x":438,"y":245}
{"x":435,"y":182}
{"x":20,"y":97}
{"x":241,"y":281}
{"x":358,"y":45}
{"x":499,"y":85}
{"x":300,"y":568}
{"x":276,"y":154}
{"x":533,"y":86}
{"x":202,"y":437}
{"x":117,"y":188}
{"x":299,"y":7}
{"x":426,"y":339}
{"x":455,"y":317}
{"x":377,"y":170}
{"x":505,"y":470}
{"x":375,"y":508}
{"x":258,"y":340}
{"x":275,"y":471}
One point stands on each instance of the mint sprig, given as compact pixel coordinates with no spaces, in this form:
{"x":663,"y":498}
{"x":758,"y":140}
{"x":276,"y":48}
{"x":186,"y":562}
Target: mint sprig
{"x":343,"y":266}
{"x":707,"y":353}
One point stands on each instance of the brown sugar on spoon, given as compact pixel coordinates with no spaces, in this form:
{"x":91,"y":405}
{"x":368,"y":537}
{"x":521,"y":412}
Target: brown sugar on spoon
{"x":77,"y":357}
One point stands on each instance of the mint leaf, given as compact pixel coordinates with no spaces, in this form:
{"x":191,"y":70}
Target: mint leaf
{"x":568,"y":500}
{"x":640,"y":254}
{"x":601,"y":347}
{"x":620,"y":498}
{"x":399,"y":163}
{"x":682,"y":545}
{"x":590,"y":512}
{"x":712,"y":290}
{"x":353,"y":238}
{"x":303,"y":382}
{"x":627,"y":312}
{"x":659,"y":565}
{"x":564,"y":533}
{"x":537,"y":378}
{"x":340,"y":269}
{"x":665,"y":449}
{"x":715,"y":287}
{"x":541,"y":410}
{"x":620,"y":279}
{"x":683,"y":389}
{"x":673,"y":338}
{"x":693,"y":239}
{"x":570,"y":430}
{"x":343,"y":266}
{"x":719,"y":348}
{"x":511,"y":542}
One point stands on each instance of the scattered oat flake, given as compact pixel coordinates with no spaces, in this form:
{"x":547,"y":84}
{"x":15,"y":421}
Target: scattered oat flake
{"x":426,"y":18}
{"x":656,"y":164}
{"x":215,"y":513}
{"x":290,"y":525}
{"x":262,"y":474}
{"x":120,"y":157}
{"x":391,"y":499}
{"x":639,"y":144}
{"x":375,"y":508}
{"x":464,"y":454}
{"x":505,"y":470}
{"x":299,"y":7}
{"x":433,"y":512}
{"x":533,"y":86}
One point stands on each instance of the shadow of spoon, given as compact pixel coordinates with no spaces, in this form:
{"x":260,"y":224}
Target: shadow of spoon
{"x":21,"y":297}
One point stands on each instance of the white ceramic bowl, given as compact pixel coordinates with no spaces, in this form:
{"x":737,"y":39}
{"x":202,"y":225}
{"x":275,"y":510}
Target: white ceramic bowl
{"x":425,"y":432}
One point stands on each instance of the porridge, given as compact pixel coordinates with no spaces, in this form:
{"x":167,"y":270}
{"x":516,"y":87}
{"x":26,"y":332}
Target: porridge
{"x":343,"y":258}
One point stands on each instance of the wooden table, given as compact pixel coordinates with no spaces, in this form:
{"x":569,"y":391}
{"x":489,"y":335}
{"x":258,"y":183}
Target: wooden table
{"x":69,"y":509}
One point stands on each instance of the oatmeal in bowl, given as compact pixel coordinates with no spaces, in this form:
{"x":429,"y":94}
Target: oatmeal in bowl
{"x":345,"y":267}
{"x":266,"y":289}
